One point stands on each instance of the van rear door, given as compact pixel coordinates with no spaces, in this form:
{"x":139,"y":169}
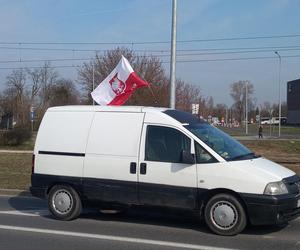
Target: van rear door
{"x":111,"y":157}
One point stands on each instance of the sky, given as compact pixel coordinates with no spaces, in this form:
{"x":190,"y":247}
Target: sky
{"x":134,"y":21}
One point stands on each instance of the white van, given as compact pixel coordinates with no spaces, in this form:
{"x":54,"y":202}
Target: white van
{"x":128,"y":156}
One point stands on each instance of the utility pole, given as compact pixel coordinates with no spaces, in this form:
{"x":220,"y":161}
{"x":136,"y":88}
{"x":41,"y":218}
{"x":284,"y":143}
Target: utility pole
{"x":173,"y":56}
{"x":279,"y":83}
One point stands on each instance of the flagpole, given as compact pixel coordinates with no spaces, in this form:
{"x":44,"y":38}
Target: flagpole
{"x":173,"y":56}
{"x":151,"y":91}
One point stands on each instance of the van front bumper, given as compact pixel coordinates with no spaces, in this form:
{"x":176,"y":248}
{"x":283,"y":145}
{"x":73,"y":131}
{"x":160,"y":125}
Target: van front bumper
{"x":269,"y":210}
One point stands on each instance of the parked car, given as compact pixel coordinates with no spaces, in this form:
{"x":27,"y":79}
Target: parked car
{"x":157,"y":157}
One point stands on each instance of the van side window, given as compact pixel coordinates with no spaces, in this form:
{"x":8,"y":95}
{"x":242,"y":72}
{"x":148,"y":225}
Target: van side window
{"x":165,"y":144}
{"x":202,"y":156}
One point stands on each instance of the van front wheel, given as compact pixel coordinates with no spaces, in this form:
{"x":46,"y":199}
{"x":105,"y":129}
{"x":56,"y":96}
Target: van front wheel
{"x":225,"y":215}
{"x":64,"y":203}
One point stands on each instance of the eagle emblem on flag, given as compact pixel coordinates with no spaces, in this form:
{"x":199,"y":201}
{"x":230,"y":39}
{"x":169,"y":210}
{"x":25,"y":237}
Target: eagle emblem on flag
{"x":117,"y":85}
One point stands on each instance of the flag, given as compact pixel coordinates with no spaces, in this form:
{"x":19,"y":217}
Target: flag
{"x":119,"y":85}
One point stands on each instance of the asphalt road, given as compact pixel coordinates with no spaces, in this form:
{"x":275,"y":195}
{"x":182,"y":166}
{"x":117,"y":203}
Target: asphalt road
{"x":25,"y":223}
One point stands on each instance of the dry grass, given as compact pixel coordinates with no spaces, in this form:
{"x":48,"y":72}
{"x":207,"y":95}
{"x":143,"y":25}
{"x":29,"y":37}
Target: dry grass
{"x":15,"y":170}
{"x":287,"y":153}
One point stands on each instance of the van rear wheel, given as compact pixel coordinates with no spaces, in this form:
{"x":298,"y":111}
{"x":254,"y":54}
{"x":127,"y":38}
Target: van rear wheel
{"x":64,"y":202}
{"x":225,"y":215}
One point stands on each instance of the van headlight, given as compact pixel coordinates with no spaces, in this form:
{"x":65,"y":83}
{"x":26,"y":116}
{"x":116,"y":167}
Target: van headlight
{"x":276,"y":188}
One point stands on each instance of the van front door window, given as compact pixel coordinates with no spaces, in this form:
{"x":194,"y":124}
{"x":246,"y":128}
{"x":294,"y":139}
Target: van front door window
{"x":165,"y":144}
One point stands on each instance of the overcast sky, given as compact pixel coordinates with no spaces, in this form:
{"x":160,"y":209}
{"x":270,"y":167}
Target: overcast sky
{"x":131,"y":21}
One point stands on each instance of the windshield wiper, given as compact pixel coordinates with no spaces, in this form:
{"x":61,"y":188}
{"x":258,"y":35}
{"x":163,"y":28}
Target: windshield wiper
{"x":245,"y":156}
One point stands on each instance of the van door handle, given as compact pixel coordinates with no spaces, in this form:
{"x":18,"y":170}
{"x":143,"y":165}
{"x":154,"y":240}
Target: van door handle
{"x":143,"y":168}
{"x":133,"y":167}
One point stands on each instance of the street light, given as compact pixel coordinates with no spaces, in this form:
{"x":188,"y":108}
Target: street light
{"x":93,"y":80}
{"x":246,"y":107}
{"x":279,"y":80}
{"x":173,"y":56}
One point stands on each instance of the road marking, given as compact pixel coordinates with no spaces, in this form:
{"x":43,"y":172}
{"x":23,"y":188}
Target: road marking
{"x":26,"y":212}
{"x":111,"y":238}
{"x":268,"y":237}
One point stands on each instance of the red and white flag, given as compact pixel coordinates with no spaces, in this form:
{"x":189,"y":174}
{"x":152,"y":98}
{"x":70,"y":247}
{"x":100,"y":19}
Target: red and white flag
{"x":118,"y":86}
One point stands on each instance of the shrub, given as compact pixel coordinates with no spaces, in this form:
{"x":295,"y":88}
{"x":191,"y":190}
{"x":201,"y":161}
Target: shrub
{"x":2,"y":137}
{"x":16,"y":136}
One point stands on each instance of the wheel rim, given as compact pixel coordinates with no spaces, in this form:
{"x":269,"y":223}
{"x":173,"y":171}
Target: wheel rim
{"x":224,"y":215}
{"x":62,"y":201}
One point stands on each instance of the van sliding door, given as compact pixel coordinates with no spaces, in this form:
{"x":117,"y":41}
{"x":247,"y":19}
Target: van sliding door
{"x":110,"y":167}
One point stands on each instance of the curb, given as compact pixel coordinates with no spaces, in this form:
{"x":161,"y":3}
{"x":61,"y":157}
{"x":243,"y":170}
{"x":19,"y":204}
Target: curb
{"x":16,"y":151}
{"x":15,"y":192}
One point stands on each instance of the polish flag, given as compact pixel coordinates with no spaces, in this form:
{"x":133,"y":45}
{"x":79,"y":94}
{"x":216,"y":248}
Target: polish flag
{"x":118,"y":86}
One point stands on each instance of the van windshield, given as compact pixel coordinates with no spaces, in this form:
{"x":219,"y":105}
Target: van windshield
{"x":220,"y":142}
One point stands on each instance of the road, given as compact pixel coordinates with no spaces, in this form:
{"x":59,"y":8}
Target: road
{"x":25,"y":223}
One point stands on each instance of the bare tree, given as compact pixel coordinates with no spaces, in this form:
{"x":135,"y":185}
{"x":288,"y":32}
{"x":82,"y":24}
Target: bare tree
{"x":102,"y":64}
{"x":220,"y":110}
{"x":238,"y":94}
{"x":16,"y":82}
{"x":148,"y":68}
{"x":48,"y":77}
{"x":186,"y":95}
{"x":64,"y":92}
{"x":36,"y":84}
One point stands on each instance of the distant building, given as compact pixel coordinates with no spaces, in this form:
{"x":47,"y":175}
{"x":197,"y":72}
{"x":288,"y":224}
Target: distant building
{"x":293,"y":102}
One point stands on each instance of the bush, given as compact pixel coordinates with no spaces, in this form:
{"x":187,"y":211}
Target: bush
{"x":2,"y":137}
{"x":14,"y":137}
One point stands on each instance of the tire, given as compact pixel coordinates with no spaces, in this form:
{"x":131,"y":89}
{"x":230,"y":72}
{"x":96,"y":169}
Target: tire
{"x":64,"y":202}
{"x":225,"y":215}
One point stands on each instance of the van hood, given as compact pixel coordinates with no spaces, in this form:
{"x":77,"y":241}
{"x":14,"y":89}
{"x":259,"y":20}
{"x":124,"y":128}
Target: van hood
{"x":264,"y":168}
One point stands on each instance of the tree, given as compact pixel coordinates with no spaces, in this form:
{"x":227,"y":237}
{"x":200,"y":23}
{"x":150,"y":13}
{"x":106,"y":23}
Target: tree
{"x":36,"y":83}
{"x":267,"y":107}
{"x":16,"y":97}
{"x":205,"y":106}
{"x":238,"y":94}
{"x":186,"y":95}
{"x":63,"y":92}
{"x":28,"y":88}
{"x":148,"y":68}
{"x":48,"y":77}
{"x":220,"y":110}
{"x":99,"y":68}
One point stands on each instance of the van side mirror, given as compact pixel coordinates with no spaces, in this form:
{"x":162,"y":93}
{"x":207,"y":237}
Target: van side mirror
{"x":187,"y":157}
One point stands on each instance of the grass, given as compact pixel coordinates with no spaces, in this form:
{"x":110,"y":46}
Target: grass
{"x":15,"y":170}
{"x":286,"y":131}
{"x":28,"y":145}
{"x":287,"y":152}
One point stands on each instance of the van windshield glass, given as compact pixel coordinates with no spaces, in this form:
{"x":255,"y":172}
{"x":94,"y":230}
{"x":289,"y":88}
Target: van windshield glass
{"x":220,"y":142}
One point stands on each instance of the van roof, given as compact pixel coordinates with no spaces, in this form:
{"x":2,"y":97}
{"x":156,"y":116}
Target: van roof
{"x":91,"y":108}
{"x":180,"y":116}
